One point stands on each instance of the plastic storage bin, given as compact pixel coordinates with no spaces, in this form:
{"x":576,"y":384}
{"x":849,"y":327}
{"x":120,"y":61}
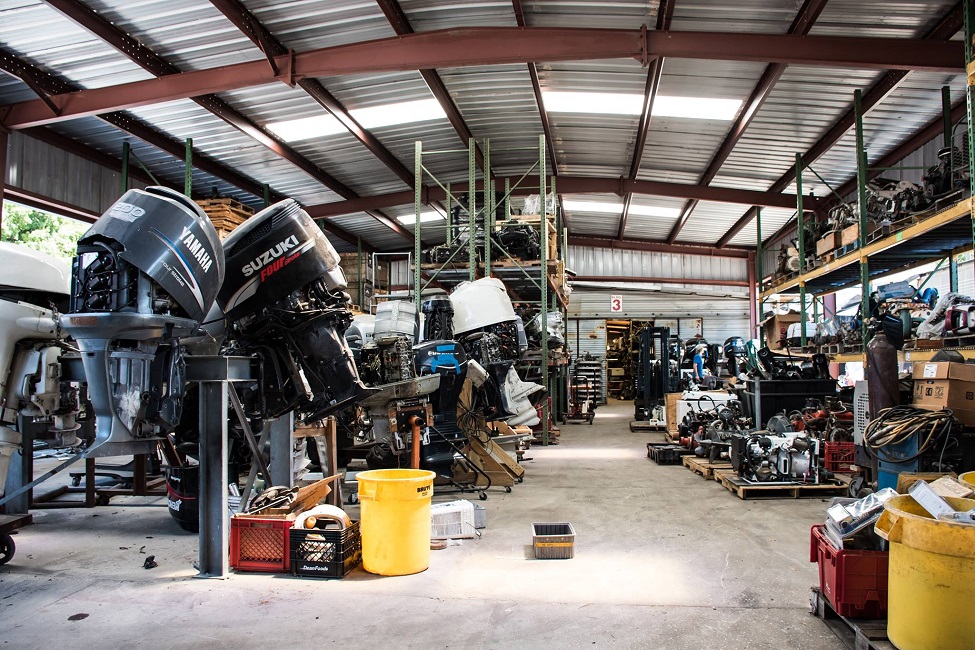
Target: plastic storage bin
{"x":553,"y":541}
{"x":854,"y":582}
{"x":453,"y":520}
{"x":329,"y":553}
{"x":261,"y":545}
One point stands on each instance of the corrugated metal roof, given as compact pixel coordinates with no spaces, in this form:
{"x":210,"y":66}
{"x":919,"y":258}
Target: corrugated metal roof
{"x":496,"y":102}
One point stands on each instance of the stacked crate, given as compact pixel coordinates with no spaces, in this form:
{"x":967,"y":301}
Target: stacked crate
{"x":225,"y":214}
{"x":373,"y":277}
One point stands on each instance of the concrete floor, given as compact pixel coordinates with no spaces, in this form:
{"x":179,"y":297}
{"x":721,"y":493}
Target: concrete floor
{"x":663,"y":559}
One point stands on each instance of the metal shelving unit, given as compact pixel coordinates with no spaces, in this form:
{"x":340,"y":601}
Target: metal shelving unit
{"x":941,"y":235}
{"x":530,"y":282}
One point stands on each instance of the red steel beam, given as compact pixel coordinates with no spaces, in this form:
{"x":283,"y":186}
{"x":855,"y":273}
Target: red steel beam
{"x":401,"y":25}
{"x":946,"y":27}
{"x":665,"y":14}
{"x":803,"y":22}
{"x":251,"y":27}
{"x":163,"y":70}
{"x":40,"y":202}
{"x":493,"y":46}
{"x":571,"y":185}
{"x":657,"y":247}
{"x":537,"y":90}
{"x":616,"y":279}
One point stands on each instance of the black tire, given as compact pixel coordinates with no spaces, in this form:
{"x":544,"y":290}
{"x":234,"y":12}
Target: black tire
{"x":353,"y":498}
{"x":482,"y":496}
{"x":507,"y":489}
{"x":7,"y":548}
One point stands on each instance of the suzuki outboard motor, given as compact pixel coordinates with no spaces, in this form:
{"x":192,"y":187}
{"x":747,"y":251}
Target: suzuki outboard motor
{"x":145,"y":276}
{"x":448,"y":359}
{"x":285,"y":301}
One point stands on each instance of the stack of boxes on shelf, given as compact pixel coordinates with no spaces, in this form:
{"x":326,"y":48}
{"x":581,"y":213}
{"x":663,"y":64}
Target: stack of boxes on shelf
{"x":374,"y":277}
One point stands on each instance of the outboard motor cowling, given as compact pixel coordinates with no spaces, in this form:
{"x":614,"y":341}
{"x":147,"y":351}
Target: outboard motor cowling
{"x":146,"y":274}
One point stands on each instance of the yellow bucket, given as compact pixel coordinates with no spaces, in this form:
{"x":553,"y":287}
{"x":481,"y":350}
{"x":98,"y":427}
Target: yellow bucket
{"x":931,"y":575}
{"x":968,"y":478}
{"x":395,"y":520}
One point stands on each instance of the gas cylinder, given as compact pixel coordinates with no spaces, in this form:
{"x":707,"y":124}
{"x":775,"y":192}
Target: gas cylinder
{"x":882,"y":383}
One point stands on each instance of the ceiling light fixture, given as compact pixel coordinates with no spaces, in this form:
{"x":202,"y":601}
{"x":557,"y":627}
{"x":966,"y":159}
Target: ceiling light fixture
{"x":704,"y":108}
{"x":319,"y":126}
{"x":410,"y":219}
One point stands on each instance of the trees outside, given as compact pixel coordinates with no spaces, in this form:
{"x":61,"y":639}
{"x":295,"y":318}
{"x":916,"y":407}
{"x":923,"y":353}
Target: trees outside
{"x":40,"y":230}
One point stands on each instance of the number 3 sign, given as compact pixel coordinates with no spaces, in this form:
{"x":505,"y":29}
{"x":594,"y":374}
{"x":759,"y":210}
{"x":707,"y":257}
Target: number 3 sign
{"x":616,"y":304}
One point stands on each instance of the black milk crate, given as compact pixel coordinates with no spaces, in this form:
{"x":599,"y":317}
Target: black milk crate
{"x":665,"y":454}
{"x":327,"y":553}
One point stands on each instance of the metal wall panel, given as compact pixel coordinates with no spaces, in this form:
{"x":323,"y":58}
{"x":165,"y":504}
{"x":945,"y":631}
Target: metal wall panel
{"x":724,"y":314}
{"x":593,"y":261}
{"x":38,"y":167}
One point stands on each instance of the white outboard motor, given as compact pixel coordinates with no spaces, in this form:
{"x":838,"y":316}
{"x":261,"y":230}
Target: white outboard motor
{"x":146,"y":274}
{"x":485,"y":323}
{"x":31,"y":381}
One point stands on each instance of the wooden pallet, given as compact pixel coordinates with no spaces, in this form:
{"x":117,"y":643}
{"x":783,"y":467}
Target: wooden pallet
{"x":704,"y":468}
{"x":855,"y":634}
{"x":959,"y":341}
{"x":924,"y":344}
{"x":745,"y":490}
{"x":226,"y":214}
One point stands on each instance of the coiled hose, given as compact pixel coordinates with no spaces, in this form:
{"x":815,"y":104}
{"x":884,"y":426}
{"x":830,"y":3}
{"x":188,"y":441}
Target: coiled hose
{"x":897,"y":425}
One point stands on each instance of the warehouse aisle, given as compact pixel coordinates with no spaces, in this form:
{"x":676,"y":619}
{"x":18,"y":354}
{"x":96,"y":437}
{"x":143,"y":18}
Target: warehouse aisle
{"x":664,"y":559}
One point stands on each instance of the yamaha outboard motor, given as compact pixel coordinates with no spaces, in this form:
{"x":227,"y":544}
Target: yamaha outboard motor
{"x":146,"y":274}
{"x":285,"y":301}
{"x":448,"y":359}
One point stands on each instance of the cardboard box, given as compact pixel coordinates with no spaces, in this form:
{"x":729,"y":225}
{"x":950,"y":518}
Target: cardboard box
{"x":942,"y":384}
{"x":777,"y":329}
{"x":670,"y":411}
{"x":849,"y":235}
{"x":828,"y":243}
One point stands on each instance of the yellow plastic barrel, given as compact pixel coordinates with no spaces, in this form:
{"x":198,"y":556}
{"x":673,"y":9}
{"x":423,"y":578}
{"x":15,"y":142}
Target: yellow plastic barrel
{"x":931,"y":573}
{"x":968,"y":478}
{"x":395,"y":520}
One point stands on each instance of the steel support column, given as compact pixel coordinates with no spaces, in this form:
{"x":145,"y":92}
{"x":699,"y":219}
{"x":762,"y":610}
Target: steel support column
{"x":188,"y":169}
{"x":4,"y":142}
{"x":214,"y":542}
{"x":862,"y":207}
{"x":760,"y":271}
{"x":802,"y":252}
{"x":543,"y":285}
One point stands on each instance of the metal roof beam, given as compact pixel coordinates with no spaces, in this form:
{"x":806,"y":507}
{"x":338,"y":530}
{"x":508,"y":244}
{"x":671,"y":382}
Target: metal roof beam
{"x":497,"y":45}
{"x":665,"y":14}
{"x":154,"y":64}
{"x":658,"y":247}
{"x":251,"y":27}
{"x":804,"y":20}
{"x":127,"y":123}
{"x":945,"y":28}
{"x":401,"y":25}
{"x":572,"y":185}
{"x":537,"y":90}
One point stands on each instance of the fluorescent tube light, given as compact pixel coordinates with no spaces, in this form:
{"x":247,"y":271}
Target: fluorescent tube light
{"x":320,"y":126}
{"x":617,"y":208}
{"x":410,"y":219}
{"x":705,"y":108}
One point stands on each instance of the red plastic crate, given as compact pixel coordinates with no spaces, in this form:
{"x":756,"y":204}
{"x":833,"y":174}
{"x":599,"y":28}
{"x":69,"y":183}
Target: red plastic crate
{"x":839,"y":456}
{"x":854,"y":582}
{"x":260,"y":544}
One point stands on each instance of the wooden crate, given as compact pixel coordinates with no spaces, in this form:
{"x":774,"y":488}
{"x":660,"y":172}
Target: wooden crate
{"x":670,"y":410}
{"x":828,"y":243}
{"x":849,"y":235}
